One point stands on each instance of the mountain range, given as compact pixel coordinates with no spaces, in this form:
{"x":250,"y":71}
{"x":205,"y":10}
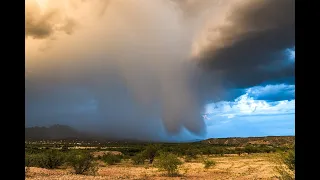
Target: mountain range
{"x":63,"y":132}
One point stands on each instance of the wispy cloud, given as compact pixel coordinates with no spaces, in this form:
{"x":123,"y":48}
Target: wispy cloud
{"x":275,"y":92}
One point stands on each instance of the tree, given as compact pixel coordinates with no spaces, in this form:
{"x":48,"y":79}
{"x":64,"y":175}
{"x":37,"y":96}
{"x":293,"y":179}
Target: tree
{"x":150,"y":153}
{"x":249,"y":149}
{"x":238,"y":150}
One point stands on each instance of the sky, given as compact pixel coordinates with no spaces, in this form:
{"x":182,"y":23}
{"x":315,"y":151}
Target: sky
{"x":164,"y":70}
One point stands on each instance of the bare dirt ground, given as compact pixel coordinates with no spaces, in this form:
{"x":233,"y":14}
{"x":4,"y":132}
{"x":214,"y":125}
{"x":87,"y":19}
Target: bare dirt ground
{"x":256,"y":166}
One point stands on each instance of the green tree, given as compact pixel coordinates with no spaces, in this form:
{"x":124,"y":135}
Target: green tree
{"x":150,"y":153}
{"x":238,"y":151}
{"x":249,"y":149}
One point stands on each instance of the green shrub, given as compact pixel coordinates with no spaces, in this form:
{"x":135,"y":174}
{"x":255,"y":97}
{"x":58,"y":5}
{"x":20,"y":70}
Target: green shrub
{"x":221,"y":151}
{"x":82,"y":162}
{"x":286,"y":165}
{"x":218,"y":150}
{"x":49,"y":159}
{"x":29,"y":160}
{"x":289,"y":160}
{"x":208,"y":163}
{"x":138,"y":159}
{"x":111,"y":159}
{"x":64,"y":148}
{"x":33,"y":150}
{"x":168,"y":162}
{"x":191,"y":154}
{"x":126,"y":157}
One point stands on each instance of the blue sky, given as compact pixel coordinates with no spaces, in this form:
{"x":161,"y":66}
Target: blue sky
{"x":260,"y":111}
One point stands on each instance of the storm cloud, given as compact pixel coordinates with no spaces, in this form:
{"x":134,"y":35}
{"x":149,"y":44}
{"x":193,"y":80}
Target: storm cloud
{"x":144,"y":69}
{"x":249,"y":46}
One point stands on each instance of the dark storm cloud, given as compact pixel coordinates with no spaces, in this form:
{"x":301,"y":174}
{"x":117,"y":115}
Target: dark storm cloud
{"x":249,"y":48}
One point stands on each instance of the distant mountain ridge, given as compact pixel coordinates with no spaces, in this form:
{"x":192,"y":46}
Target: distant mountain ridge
{"x":267,"y":140}
{"x":60,"y":132}
{"x":53,"y":132}
{"x":64,"y":132}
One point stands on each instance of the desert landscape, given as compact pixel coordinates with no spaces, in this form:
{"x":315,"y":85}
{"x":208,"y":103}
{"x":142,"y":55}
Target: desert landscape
{"x":219,"y":158}
{"x":258,"y":166}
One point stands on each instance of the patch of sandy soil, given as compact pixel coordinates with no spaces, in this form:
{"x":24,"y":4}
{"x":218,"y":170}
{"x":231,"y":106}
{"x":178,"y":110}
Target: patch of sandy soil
{"x":101,"y":153}
{"x":226,"y":168}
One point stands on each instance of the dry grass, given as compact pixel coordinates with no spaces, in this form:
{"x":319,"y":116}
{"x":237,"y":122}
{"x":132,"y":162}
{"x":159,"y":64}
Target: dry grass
{"x":255,"y":166}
